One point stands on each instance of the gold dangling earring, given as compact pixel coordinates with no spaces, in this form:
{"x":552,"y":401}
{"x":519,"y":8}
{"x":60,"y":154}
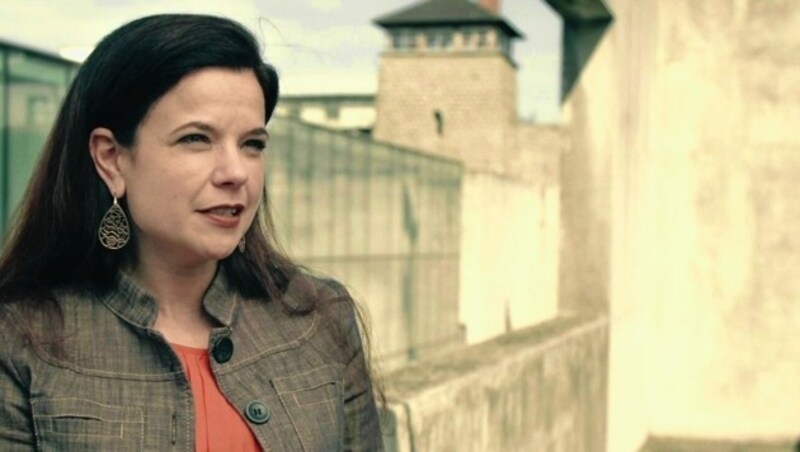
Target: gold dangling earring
{"x":114,"y":231}
{"x":242,"y":244}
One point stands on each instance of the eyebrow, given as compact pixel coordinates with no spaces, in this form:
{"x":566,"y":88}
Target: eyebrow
{"x":195,"y":124}
{"x":259,"y":131}
{"x":208,"y":128}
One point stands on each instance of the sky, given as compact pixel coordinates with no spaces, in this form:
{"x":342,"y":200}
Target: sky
{"x":318,"y":46}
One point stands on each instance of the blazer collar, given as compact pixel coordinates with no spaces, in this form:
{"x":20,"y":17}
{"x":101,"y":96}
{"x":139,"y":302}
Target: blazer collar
{"x":132,"y":303}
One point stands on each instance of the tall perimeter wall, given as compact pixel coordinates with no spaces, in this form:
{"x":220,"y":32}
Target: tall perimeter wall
{"x":508,"y":257}
{"x":682,"y":182}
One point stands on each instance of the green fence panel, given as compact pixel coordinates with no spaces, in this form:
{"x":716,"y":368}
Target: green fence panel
{"x":32,"y":86}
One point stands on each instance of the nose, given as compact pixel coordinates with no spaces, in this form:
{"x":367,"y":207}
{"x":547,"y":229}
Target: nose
{"x":230,"y":169}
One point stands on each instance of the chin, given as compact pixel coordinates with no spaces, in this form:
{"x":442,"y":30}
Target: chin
{"x":220,"y":251}
{"x":223,"y":254}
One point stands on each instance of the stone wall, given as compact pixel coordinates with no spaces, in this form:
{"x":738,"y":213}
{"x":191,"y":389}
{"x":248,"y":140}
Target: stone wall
{"x":509,"y":254}
{"x":538,"y":389}
{"x":510,"y":235}
{"x":680,"y":219}
{"x":384,"y":221}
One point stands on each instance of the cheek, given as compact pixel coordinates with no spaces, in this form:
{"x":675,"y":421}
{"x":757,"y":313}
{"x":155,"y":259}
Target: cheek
{"x":150,"y":205}
{"x":156,"y":197}
{"x":256,"y":178}
{"x":150,"y":191}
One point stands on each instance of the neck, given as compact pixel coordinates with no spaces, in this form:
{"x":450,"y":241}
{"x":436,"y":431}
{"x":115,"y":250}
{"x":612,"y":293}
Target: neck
{"x":178,"y":291}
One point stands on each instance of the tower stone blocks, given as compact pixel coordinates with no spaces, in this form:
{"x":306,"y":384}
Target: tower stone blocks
{"x":448,"y":83}
{"x":460,"y":104}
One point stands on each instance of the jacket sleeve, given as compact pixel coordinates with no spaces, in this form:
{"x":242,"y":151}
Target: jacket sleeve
{"x":362,"y":425}
{"x":16,"y":425}
{"x":362,"y":428}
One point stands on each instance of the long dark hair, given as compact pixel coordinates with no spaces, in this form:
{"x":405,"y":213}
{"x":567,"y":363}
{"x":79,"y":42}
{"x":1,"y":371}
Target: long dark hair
{"x":53,"y":240}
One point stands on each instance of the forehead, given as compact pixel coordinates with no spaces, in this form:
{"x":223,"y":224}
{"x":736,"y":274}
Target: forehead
{"x":212,"y":91}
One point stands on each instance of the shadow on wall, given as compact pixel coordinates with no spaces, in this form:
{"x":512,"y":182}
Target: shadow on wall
{"x":585,"y":24}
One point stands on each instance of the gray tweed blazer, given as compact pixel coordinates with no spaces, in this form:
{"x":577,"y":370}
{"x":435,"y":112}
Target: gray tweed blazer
{"x":116,"y":384}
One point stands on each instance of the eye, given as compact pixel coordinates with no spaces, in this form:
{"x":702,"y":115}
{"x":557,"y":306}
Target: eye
{"x":193,"y":138}
{"x":256,"y":144}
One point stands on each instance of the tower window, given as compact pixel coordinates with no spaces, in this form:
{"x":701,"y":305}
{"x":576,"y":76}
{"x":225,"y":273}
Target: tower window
{"x":467,"y":39}
{"x":447,"y":39}
{"x":439,"y":118}
{"x":402,"y":40}
{"x":439,"y":39}
{"x":483,"y":38}
{"x":505,"y":44}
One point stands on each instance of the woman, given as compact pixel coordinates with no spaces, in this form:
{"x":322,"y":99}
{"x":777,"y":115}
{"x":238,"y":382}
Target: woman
{"x":144,"y":305}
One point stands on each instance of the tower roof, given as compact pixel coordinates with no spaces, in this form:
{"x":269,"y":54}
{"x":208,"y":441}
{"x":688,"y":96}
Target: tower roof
{"x":445,"y":12}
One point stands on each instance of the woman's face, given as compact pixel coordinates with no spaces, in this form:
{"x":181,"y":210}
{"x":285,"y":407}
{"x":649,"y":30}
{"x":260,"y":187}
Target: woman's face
{"x":195,"y":174}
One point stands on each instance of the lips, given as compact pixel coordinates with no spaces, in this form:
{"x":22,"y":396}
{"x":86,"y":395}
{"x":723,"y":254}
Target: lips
{"x":224,"y":211}
{"x":226,"y":215}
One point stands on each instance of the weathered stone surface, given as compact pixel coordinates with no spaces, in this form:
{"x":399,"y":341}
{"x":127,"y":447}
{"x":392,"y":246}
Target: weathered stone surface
{"x":538,"y":389}
{"x":680,"y":217}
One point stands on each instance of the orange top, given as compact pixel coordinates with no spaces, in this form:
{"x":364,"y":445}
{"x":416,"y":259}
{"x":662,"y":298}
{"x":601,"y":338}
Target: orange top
{"x":218,"y":426}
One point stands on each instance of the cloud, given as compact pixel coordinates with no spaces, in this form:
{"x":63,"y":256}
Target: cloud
{"x":330,"y":82}
{"x":291,"y":44}
{"x":52,"y":25}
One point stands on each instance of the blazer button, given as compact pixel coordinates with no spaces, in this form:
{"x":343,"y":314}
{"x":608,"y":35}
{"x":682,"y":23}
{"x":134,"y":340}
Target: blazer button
{"x":257,"y":412}
{"x":223,"y":350}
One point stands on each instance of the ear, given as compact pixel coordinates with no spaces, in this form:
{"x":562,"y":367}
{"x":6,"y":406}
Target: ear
{"x":106,"y":154}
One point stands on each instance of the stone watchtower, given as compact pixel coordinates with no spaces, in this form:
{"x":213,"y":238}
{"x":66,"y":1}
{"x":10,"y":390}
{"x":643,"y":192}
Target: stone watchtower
{"x":448,"y":82}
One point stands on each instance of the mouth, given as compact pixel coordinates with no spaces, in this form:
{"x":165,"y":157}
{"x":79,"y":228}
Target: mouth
{"x":225,"y":211}
{"x":226,"y":216}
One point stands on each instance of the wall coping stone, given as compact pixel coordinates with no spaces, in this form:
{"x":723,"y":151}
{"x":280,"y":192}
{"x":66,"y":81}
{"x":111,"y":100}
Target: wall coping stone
{"x":414,"y":390}
{"x":427,"y":374}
